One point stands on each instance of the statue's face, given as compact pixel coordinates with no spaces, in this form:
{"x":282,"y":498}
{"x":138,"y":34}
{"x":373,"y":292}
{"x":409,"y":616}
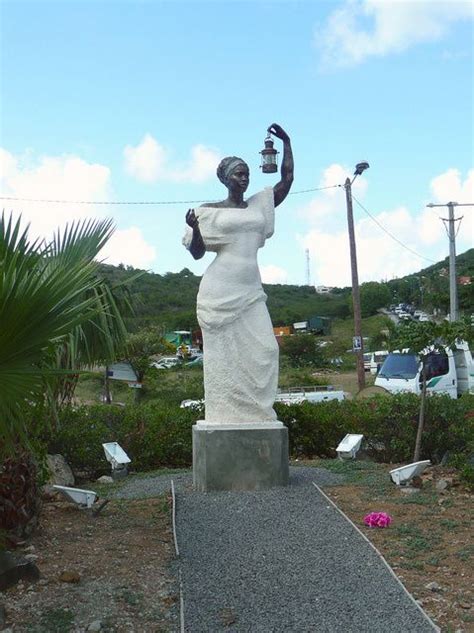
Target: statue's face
{"x":239,"y":178}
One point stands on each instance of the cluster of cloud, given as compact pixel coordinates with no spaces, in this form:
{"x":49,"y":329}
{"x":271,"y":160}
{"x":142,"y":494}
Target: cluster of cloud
{"x":360,"y":29}
{"x":150,"y":162}
{"x":66,"y":178}
{"x":379,"y":256}
{"x":273,"y":274}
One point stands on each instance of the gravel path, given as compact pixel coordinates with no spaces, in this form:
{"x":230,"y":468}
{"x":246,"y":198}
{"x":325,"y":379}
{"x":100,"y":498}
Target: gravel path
{"x":283,"y":560}
{"x":152,"y":486}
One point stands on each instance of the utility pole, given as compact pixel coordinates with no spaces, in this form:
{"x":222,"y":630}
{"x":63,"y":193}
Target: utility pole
{"x":308,"y":273}
{"x":358,"y":345}
{"x":453,"y":286}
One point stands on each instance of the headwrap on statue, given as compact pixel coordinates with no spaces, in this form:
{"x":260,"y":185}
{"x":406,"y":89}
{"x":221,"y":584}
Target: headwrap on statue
{"x":227,"y":166}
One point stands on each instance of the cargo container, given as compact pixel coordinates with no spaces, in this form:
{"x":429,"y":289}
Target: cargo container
{"x":283,"y":330}
{"x":319,"y":325}
{"x":301,"y":326}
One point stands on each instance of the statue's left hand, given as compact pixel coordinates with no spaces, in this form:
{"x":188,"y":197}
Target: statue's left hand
{"x":191,"y":219}
{"x":278,"y":131}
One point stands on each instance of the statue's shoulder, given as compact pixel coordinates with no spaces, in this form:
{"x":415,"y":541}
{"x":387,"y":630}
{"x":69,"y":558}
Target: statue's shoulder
{"x":213,"y":205}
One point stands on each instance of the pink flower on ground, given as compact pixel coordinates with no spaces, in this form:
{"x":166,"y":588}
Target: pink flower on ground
{"x":378,"y":519}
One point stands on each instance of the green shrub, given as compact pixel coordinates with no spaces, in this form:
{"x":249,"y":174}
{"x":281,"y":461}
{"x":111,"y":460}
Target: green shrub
{"x":80,"y":434}
{"x":159,"y":434}
{"x":388,"y":423}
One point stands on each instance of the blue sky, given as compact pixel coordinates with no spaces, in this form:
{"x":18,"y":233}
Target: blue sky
{"x":125,"y":101}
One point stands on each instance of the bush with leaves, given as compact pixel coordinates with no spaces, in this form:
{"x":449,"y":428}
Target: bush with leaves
{"x":160,"y":434}
{"x":388,"y":423}
{"x":302,"y":350}
{"x":154,"y":436}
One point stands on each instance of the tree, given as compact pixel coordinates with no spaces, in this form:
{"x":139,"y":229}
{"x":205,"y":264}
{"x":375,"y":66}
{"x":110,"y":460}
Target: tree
{"x":373,"y":295}
{"x":302,"y":350}
{"x":141,"y":345}
{"x":53,"y":306}
{"x":423,"y":339}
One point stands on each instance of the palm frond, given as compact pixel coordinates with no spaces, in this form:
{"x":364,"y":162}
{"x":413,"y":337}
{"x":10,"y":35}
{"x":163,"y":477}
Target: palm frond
{"x":47,"y":291}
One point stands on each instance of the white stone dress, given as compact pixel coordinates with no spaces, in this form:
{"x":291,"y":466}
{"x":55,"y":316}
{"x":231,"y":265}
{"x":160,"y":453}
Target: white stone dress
{"x":240,"y":349}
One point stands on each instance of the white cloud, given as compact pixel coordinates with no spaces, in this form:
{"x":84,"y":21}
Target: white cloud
{"x":128,"y":246}
{"x":364,"y":28}
{"x":449,"y":187}
{"x":273,"y":274}
{"x":328,"y":202}
{"x":66,"y":178}
{"x":146,"y":161}
{"x":379,"y":256}
{"x":150,"y":162}
{"x":52,"y":178}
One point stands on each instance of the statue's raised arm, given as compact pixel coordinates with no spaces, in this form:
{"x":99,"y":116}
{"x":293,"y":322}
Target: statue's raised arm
{"x":281,"y":189}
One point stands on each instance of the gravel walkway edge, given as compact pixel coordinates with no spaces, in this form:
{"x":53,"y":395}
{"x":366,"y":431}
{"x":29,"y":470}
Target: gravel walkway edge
{"x":379,"y":554}
{"x":176,"y":549}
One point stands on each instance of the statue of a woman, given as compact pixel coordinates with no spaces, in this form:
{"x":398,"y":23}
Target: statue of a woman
{"x":240,"y":349}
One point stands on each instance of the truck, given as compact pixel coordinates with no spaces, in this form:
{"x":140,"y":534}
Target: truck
{"x":319,"y":325}
{"x":448,"y":371}
{"x":313,"y":393}
{"x":373,"y":361}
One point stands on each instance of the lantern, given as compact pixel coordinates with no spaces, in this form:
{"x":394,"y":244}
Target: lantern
{"x":269,"y":156}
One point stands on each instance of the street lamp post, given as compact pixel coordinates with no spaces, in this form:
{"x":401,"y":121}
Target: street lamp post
{"x":359,"y":347}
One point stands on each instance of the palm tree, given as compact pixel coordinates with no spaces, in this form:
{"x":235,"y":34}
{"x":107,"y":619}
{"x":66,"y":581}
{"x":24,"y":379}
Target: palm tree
{"x":56,"y":316}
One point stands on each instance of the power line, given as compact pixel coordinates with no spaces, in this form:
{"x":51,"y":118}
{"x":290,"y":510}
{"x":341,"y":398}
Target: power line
{"x":139,"y":202}
{"x":172,"y":202}
{"x":390,"y":234}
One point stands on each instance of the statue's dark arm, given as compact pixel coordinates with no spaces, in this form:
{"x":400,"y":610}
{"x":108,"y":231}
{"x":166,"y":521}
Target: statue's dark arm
{"x":282,"y":188}
{"x":197,"y":247}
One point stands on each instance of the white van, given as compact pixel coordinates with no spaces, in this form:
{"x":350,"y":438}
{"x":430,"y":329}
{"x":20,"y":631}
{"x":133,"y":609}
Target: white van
{"x":373,"y":361}
{"x":447,"y":371}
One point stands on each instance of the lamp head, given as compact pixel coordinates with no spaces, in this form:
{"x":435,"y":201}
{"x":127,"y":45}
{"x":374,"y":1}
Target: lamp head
{"x":361,"y":167}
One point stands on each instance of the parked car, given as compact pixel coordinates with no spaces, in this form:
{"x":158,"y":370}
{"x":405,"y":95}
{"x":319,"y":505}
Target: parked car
{"x":373,"y":361}
{"x":192,"y":404}
{"x":166,"y":362}
{"x":195,"y":362}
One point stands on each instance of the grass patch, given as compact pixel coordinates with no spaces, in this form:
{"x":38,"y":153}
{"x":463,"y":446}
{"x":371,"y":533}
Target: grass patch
{"x":418,"y":499}
{"x":54,"y":621}
{"x":435,"y":560}
{"x":449,"y":524}
{"x":412,"y":564}
{"x":132,"y":598}
{"x":465,"y":553}
{"x":414,"y":540}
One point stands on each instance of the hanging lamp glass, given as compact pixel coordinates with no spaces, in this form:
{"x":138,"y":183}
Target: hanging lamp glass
{"x":269,"y":156}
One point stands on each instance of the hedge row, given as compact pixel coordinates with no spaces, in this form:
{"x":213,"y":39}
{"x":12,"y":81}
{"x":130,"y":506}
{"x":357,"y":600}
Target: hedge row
{"x":160,"y":435}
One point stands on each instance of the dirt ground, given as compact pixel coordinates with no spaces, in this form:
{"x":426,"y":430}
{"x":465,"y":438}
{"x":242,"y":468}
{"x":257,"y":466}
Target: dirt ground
{"x":115,"y":572}
{"x":429,"y":544}
{"x":112,"y":573}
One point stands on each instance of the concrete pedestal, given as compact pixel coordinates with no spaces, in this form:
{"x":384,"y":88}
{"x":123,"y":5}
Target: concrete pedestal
{"x":240,"y":456}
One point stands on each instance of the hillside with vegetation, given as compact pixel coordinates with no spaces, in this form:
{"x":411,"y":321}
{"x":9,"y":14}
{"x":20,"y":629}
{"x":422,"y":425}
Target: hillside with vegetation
{"x":430,"y":286}
{"x":169,"y":300}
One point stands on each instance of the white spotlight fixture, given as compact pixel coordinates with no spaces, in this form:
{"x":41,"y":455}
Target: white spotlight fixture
{"x":83,"y":498}
{"x":349,"y":446}
{"x":403,"y":475}
{"x":118,"y":459}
